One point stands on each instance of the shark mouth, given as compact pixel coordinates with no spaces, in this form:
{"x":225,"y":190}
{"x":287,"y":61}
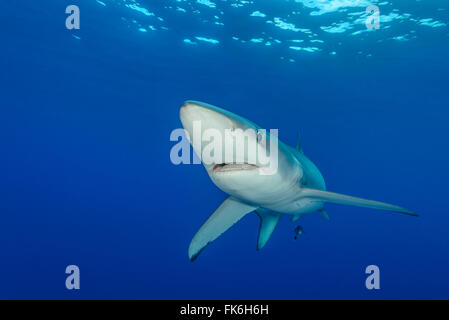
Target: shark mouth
{"x":229,"y":167}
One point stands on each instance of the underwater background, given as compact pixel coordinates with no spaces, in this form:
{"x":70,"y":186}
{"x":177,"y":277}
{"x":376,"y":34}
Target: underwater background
{"x":85,"y":170}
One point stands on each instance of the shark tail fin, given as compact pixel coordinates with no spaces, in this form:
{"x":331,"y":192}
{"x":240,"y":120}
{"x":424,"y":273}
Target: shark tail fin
{"x":326,"y":196}
{"x":227,"y":214}
{"x":268,"y":222}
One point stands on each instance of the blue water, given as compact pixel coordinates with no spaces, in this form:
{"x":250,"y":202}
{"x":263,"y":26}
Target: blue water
{"x":86,"y":116}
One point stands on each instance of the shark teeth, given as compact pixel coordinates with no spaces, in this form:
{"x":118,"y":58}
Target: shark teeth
{"x":223,"y":167}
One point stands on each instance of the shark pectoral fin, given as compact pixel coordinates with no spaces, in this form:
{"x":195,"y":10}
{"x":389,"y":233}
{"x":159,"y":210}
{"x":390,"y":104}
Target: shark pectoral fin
{"x":296,"y":217}
{"x":227,"y":214}
{"x":352,"y":201}
{"x":268,"y":222}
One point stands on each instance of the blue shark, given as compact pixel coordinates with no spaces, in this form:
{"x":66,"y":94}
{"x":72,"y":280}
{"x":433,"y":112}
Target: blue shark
{"x":297,"y":186}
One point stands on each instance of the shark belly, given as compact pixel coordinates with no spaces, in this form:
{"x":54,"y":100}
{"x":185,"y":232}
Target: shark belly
{"x":294,"y":206}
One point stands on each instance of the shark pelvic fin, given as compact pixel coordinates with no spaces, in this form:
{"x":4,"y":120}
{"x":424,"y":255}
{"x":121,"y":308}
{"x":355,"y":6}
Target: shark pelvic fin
{"x":352,"y":201}
{"x":296,"y":217}
{"x":324,"y":214}
{"x":227,"y":214}
{"x":268,"y":222}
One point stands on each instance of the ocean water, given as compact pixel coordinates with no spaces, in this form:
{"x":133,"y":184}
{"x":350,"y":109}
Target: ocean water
{"x":85,"y":172}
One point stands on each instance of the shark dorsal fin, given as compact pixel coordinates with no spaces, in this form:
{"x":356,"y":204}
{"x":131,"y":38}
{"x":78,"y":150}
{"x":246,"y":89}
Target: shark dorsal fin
{"x":268,"y":222}
{"x":298,"y":144}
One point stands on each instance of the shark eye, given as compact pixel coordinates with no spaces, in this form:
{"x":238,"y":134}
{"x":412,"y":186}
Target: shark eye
{"x":259,"y":136}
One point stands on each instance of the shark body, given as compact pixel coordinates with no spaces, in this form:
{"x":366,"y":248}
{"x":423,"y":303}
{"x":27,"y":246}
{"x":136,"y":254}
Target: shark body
{"x":297,"y":187}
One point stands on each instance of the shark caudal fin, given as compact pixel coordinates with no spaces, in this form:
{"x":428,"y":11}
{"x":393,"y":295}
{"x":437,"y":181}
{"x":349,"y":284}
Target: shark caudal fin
{"x":268,"y":222}
{"x":227,"y":214}
{"x":352,"y":201}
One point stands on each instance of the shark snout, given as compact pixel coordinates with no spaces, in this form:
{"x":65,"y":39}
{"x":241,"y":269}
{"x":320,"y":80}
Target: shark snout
{"x":186,"y":111}
{"x":202,"y":116}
